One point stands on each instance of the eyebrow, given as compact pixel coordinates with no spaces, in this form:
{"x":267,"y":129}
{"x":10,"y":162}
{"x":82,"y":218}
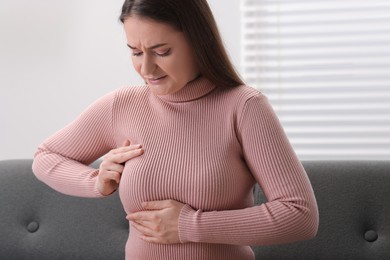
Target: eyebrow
{"x":151,"y":47}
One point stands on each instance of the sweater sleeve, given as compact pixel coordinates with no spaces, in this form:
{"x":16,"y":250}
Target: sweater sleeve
{"x":62,"y":161}
{"x":290,"y":213}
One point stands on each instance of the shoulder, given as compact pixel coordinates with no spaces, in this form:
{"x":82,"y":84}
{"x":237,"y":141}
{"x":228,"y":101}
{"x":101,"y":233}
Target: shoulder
{"x":241,"y":95}
{"x":243,"y":92}
{"x":130,"y":92}
{"x":124,"y":92}
{"x":120,"y":98}
{"x":247,"y":102}
{"x":127,"y":95}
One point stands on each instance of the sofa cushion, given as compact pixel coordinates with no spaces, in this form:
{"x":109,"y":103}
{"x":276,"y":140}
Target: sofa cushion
{"x":354,"y":208}
{"x":37,"y":222}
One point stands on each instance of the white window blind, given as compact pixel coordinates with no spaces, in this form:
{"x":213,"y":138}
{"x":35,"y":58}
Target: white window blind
{"x":325,"y":66}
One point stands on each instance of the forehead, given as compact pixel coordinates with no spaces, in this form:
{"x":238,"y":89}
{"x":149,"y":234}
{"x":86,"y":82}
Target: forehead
{"x":142,"y":32}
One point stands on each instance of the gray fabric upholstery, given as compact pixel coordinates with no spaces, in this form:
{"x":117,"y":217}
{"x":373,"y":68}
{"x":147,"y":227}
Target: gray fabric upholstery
{"x":354,"y":206}
{"x":69,"y":227}
{"x":39,"y":223}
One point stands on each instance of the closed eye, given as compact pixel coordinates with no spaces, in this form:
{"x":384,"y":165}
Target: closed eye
{"x":164,"y":54}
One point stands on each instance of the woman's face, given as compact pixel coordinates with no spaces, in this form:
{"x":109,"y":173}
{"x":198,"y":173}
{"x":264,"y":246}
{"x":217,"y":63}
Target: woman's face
{"x":160,"y":54}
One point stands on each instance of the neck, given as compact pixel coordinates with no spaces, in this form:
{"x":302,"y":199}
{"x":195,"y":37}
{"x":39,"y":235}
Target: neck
{"x":194,"y":89}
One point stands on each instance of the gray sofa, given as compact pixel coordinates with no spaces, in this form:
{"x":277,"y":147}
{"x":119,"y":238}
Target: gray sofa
{"x":39,"y":223}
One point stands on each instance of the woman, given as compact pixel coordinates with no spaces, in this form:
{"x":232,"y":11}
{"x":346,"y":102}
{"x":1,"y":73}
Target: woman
{"x":184,"y":151}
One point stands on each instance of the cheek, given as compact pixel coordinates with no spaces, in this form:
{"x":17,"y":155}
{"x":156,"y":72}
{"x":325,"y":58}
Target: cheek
{"x":188,"y":68}
{"x":186,"y":62}
{"x":168,"y":65}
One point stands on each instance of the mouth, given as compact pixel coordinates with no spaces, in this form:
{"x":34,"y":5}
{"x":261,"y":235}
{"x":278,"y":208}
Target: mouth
{"x":156,"y":80}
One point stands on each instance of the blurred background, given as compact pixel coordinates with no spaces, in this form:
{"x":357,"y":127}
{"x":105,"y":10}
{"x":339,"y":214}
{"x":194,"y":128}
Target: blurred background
{"x":324,"y":64}
{"x":57,"y":57}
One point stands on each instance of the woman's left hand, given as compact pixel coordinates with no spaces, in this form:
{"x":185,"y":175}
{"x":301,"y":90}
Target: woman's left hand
{"x":159,"y":223}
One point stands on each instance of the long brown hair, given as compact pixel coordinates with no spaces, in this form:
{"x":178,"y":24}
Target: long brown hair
{"x":195,"y":19}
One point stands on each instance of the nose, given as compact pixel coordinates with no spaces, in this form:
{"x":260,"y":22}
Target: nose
{"x":148,"y":65}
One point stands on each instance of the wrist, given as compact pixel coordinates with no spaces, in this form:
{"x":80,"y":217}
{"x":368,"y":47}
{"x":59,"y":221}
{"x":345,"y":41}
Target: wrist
{"x":185,"y":230}
{"x":102,"y":189}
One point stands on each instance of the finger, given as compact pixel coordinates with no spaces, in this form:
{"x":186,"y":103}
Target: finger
{"x":142,"y":229}
{"x":126,"y":142}
{"x":124,"y":149}
{"x":145,"y":218}
{"x":124,"y":157}
{"x":109,"y":166}
{"x":136,"y":217}
{"x":108,"y":176}
{"x":154,"y":240}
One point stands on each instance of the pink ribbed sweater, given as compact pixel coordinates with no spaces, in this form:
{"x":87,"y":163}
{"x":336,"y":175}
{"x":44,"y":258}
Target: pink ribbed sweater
{"x":206,"y":147}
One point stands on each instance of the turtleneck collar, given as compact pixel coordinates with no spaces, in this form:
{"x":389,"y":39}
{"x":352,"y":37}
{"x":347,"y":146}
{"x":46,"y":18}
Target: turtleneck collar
{"x":193,"y":90}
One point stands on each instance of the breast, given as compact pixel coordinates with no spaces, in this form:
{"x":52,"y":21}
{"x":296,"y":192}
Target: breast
{"x":204,"y":177}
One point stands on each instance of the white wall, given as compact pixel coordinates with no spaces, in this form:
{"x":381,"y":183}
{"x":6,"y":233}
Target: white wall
{"x":56,"y":57}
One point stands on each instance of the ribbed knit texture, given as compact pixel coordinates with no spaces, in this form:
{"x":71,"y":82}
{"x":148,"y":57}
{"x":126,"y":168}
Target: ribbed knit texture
{"x":205,"y":146}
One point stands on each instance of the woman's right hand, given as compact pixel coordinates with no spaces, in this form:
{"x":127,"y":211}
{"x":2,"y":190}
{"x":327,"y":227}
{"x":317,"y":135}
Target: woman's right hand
{"x":111,"y":168}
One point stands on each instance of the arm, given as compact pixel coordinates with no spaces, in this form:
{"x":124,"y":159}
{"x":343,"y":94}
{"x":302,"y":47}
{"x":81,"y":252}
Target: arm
{"x":291,"y":212}
{"x":62,"y":160}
